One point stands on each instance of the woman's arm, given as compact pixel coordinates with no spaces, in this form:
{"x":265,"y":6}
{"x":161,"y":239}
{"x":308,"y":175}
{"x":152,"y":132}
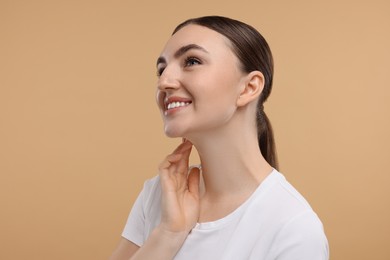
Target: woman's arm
{"x":179,"y":210}
{"x":124,"y":251}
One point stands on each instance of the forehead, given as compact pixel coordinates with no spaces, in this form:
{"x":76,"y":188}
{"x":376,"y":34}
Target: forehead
{"x":209,"y":39}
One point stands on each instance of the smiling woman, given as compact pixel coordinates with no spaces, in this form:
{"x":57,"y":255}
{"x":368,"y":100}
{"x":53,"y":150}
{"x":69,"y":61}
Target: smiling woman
{"x":196,"y":71}
{"x":214,"y":74}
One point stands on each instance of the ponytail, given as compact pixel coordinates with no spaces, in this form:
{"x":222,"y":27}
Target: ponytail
{"x":265,"y":136}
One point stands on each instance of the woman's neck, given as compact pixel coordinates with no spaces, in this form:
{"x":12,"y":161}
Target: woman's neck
{"x":231,"y":163}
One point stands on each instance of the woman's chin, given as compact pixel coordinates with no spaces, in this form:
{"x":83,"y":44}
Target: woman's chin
{"x":173,"y":133}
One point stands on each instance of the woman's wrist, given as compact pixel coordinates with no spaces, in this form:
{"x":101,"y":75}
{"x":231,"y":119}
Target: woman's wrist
{"x":161,"y":244}
{"x":173,"y":239}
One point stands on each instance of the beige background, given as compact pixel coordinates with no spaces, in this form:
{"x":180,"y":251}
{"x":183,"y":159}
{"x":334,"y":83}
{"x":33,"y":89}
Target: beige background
{"x":80,"y":132}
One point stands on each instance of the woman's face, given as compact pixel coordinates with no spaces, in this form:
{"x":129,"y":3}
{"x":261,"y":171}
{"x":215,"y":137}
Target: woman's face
{"x":199,"y":82}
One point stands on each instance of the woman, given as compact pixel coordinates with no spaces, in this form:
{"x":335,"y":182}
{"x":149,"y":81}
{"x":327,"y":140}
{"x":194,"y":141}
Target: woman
{"x":214,"y":75}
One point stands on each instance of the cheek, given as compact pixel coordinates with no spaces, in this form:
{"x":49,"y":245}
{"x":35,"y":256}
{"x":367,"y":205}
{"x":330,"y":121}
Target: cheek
{"x":222,"y":91}
{"x":217,"y":106}
{"x":220,"y":99}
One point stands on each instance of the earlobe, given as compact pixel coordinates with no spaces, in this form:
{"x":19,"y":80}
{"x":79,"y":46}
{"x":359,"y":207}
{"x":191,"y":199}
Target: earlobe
{"x":253,"y":86}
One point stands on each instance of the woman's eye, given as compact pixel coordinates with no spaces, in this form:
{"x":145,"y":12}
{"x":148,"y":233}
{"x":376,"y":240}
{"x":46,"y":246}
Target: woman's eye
{"x":191,"y":61}
{"x":160,"y":72}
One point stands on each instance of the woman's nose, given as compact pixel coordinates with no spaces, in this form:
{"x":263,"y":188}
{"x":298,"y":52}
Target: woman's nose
{"x":168,"y":80}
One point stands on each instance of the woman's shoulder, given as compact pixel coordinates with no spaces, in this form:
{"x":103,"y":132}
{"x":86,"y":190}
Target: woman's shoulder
{"x":151,"y":189}
{"x":291,"y":219}
{"x":152,"y":182}
{"x":283,"y":192}
{"x":279,"y":202}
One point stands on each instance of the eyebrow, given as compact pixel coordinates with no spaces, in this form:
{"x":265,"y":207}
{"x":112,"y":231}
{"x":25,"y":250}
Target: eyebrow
{"x":182,"y":51}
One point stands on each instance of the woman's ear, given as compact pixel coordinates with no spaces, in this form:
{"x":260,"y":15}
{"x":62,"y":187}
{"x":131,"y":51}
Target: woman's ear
{"x":253,"y":86}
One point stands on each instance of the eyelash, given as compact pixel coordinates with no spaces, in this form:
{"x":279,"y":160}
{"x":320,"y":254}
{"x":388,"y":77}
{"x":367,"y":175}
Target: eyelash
{"x":187,"y":63}
{"x":191,"y":59}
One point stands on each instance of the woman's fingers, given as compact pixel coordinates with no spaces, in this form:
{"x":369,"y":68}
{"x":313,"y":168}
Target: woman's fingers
{"x":180,"y":189}
{"x":174,"y":169}
{"x":183,"y":147}
{"x":169,"y":160}
{"x":193,"y":181}
{"x":179,"y":158}
{"x":182,"y":165}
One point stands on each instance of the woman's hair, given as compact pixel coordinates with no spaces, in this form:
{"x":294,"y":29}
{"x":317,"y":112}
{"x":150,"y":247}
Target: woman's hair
{"x":254,"y":54}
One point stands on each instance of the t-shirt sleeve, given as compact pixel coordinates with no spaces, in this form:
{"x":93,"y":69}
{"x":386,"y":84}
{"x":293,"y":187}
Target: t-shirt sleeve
{"x":302,"y":238}
{"x":135,"y":225}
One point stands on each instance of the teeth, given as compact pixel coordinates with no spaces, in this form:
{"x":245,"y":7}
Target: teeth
{"x":177,"y":104}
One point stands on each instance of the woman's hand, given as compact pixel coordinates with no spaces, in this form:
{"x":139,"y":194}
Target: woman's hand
{"x":180,"y":192}
{"x":180,"y":210}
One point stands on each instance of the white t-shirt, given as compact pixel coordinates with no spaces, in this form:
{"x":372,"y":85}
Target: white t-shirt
{"x":276,"y":222}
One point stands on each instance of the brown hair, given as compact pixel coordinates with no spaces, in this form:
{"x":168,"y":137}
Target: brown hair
{"x":254,"y":54}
